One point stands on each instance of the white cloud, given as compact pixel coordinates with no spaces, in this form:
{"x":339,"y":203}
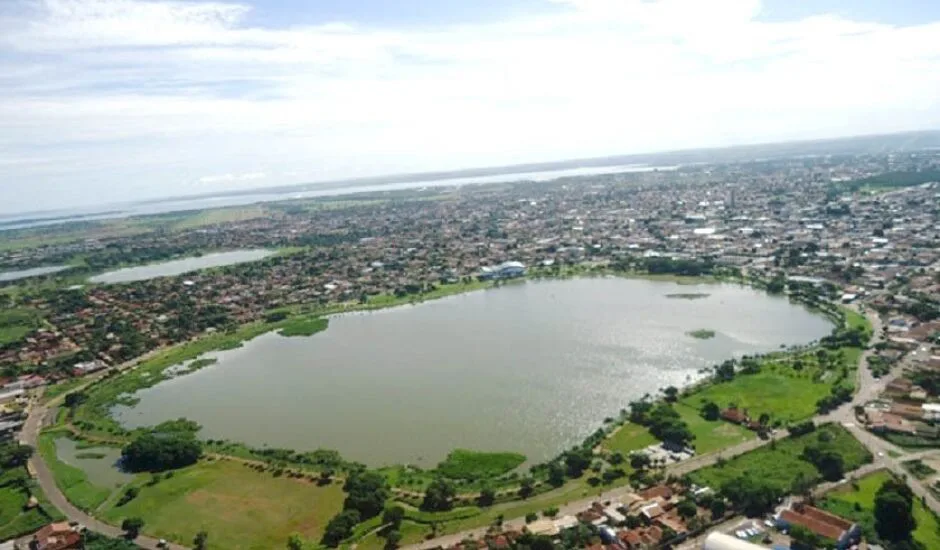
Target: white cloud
{"x":146,"y":97}
{"x":228,"y":178}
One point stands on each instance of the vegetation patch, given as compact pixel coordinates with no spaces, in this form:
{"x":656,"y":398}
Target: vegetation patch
{"x":688,"y":295}
{"x":628,"y":438}
{"x":90,"y":456}
{"x":918,"y":469}
{"x":465,"y":464}
{"x":237,"y":506}
{"x":15,"y":324}
{"x":303,"y":326}
{"x":857,"y":502}
{"x":785,"y":462}
{"x":702,"y":334}
{"x":784,"y":396}
{"x":71,"y":480}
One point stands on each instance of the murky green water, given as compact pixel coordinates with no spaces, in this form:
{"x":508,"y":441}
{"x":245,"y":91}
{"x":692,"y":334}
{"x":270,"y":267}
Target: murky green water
{"x":533,"y":368}
{"x":103,"y":472}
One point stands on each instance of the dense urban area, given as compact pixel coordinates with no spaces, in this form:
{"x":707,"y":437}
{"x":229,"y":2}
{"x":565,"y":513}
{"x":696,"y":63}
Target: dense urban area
{"x":834,"y":444}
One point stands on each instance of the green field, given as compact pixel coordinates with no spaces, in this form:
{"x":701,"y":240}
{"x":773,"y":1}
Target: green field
{"x":411,"y":533}
{"x":465,"y":464}
{"x":72,"y":481}
{"x":238,"y":506}
{"x":15,"y":324}
{"x":711,"y":436}
{"x":859,"y":504}
{"x":780,"y":463}
{"x":15,"y":520}
{"x":303,"y":326}
{"x":783,"y":395}
{"x":628,"y":438}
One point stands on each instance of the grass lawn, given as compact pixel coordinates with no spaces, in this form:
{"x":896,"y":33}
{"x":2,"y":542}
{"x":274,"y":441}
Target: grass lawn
{"x":411,"y":533}
{"x":780,"y":463}
{"x":237,"y":506}
{"x":15,"y":520}
{"x":72,"y":481}
{"x":711,"y":436}
{"x":16,"y":324}
{"x":464,"y":464}
{"x":781,"y":395}
{"x":843,"y":502}
{"x":628,"y":438}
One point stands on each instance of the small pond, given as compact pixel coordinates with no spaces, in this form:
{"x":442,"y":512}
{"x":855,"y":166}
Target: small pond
{"x":100,"y":464}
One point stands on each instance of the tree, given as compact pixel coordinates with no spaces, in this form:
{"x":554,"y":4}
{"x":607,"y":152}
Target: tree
{"x":751,"y":495}
{"x":132,"y":527}
{"x":392,"y":539}
{"x":530,"y":517}
{"x":487,"y":496}
{"x":393,"y":516}
{"x":14,"y":455}
{"x":828,"y":461}
{"x":200,"y":540}
{"x":640,"y":461}
{"x":156,"y":451}
{"x":439,"y":495}
{"x":340,"y":527}
{"x":718,"y":508}
{"x":616,"y":458}
{"x":576,"y":461}
{"x":687,"y":508}
{"x":764,"y":419}
{"x":75,"y":399}
{"x":711,"y":411}
{"x":894,"y":516}
{"x":556,"y":474}
{"x":366,"y":493}
{"x":804,"y":539}
{"x":802,"y":485}
{"x":526,"y":487}
{"x":672,"y":394}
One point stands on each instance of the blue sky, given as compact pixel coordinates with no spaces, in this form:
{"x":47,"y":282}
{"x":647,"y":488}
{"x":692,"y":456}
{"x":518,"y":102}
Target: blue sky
{"x":113,"y":100}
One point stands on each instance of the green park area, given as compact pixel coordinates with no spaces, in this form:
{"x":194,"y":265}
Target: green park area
{"x":788,"y":461}
{"x":73,"y":481}
{"x":856,"y":501}
{"x":237,"y":505}
{"x":15,"y":324}
{"x":17,"y":515}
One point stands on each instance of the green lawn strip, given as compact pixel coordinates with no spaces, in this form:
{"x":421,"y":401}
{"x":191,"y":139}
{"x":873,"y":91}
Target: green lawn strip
{"x":303,"y":326}
{"x":466,"y":464}
{"x":859,"y":504}
{"x":15,"y":489}
{"x":780,"y":463}
{"x":239,"y":507}
{"x":61,"y":388}
{"x":12,"y":501}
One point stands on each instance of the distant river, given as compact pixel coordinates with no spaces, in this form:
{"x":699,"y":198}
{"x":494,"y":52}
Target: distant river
{"x":34,"y":272}
{"x":178,"y":267}
{"x":533,"y":367}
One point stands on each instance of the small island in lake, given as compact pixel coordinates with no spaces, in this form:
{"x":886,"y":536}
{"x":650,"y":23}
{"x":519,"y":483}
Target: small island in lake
{"x":702,"y":334}
{"x":688,"y":295}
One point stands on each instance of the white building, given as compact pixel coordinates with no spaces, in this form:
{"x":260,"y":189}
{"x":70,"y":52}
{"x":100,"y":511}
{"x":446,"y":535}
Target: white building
{"x":721,"y":541}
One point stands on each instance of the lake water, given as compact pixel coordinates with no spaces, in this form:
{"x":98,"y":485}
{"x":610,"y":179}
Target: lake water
{"x":34,"y":272}
{"x":103,"y":472}
{"x":178,"y":267}
{"x":532,"y":367}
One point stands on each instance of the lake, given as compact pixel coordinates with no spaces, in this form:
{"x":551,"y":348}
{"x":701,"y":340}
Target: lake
{"x":531,"y":367}
{"x":178,"y":267}
{"x":6,"y":276}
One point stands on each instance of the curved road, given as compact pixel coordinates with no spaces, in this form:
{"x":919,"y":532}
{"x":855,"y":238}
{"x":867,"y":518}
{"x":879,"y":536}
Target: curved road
{"x":41,"y":415}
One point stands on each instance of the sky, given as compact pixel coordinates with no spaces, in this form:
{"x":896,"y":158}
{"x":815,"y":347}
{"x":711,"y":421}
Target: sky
{"x":105,"y":101}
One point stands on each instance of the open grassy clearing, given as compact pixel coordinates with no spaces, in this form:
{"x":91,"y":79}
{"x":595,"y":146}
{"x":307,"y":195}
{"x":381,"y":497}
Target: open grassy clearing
{"x":711,"y":436}
{"x":780,"y":463}
{"x":71,"y":480}
{"x":859,"y":505}
{"x":239,"y":507}
{"x":16,"y":323}
{"x":465,"y":464}
{"x":628,"y":438}
{"x":411,"y":533}
{"x":781,"y":393}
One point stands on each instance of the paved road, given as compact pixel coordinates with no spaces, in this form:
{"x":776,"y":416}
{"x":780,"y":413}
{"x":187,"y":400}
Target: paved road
{"x":41,"y":415}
